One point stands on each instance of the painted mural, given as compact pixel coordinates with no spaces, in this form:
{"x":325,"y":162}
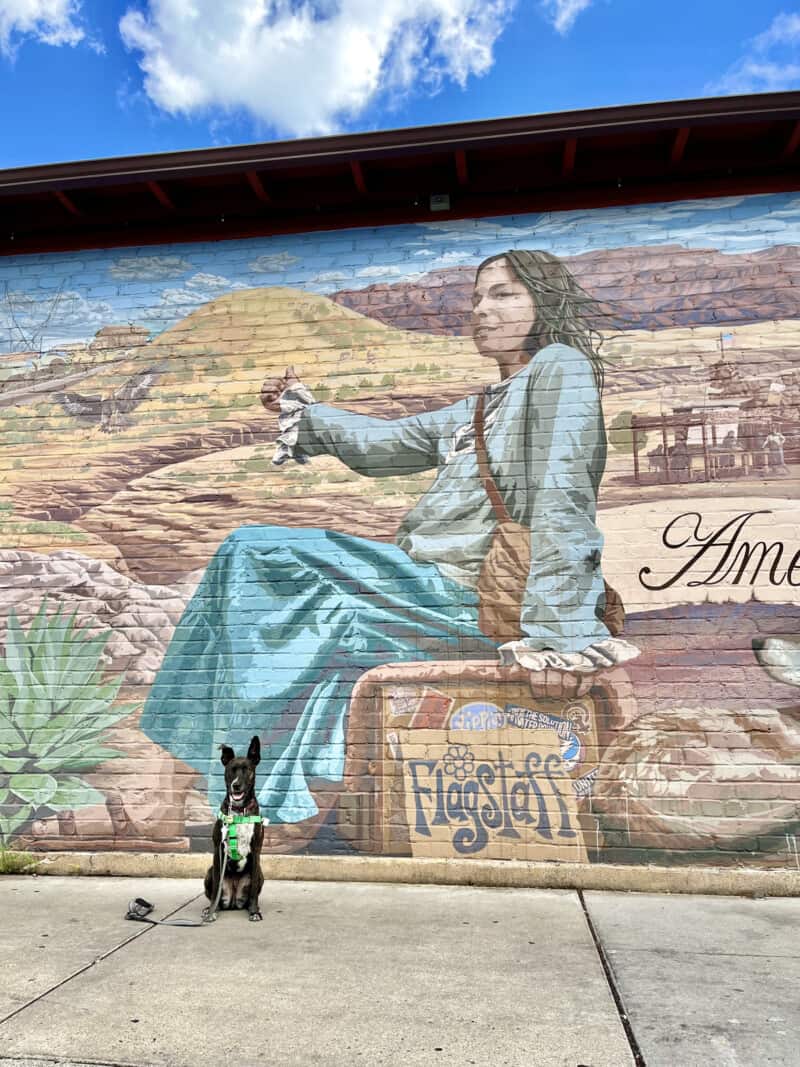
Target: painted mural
{"x":488,"y":529}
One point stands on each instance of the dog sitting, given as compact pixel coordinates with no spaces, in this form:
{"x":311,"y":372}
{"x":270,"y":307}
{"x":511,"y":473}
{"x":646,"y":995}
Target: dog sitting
{"x":240,"y":827}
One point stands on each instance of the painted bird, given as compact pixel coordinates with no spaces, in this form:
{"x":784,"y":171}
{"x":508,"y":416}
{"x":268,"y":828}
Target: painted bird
{"x":108,"y":413}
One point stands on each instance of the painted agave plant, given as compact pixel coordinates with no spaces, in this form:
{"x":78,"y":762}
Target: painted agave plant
{"x":54,"y":708}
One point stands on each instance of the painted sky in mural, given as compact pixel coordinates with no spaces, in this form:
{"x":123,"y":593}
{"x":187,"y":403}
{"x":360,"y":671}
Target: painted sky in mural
{"x":155,"y":287}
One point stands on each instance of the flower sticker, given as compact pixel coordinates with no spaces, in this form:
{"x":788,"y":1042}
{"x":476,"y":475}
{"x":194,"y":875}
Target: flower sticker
{"x":459,"y":762}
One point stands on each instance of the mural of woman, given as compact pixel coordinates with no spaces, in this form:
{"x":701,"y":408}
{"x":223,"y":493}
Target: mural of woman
{"x":285,"y":620}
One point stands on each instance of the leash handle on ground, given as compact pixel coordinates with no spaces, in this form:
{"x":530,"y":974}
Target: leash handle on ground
{"x":139,"y":909}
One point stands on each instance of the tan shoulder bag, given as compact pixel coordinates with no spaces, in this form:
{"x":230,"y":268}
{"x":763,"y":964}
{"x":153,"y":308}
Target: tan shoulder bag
{"x":504,"y":573}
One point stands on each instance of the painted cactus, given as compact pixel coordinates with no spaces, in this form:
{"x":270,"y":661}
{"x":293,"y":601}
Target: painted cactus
{"x":54,"y":707}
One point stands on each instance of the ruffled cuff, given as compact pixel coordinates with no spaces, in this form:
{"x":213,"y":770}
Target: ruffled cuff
{"x":293,"y":401}
{"x":595,"y":657}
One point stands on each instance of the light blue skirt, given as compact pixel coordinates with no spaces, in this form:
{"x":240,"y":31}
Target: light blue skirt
{"x":281,"y":627}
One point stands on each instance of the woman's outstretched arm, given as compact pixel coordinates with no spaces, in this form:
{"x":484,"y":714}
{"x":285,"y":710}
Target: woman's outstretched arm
{"x":371,"y":446}
{"x":375,"y":447}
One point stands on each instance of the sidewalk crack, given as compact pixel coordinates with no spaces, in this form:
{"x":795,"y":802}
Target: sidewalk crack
{"x":633,"y":1044}
{"x":98,"y":959}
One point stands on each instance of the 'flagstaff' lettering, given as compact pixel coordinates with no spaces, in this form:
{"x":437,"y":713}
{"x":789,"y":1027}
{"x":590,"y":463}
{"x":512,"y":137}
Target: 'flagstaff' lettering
{"x":473,"y":810}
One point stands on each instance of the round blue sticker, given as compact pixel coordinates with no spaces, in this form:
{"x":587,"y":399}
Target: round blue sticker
{"x":477,"y":716}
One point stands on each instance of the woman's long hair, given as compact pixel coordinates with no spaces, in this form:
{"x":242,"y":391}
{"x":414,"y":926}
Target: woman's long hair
{"x":564,"y":311}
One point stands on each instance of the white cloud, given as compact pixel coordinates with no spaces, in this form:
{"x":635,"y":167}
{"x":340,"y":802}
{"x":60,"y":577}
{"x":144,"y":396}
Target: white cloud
{"x":563,"y":13}
{"x":446,"y":259}
{"x":274,"y":263}
{"x":329,"y":276}
{"x":212,"y":282}
{"x":200,"y":289}
{"x":54,"y":22}
{"x":752,"y":77}
{"x":770,"y":63}
{"x":35,"y":323}
{"x":148,"y":268}
{"x":379,"y":270}
{"x":475,"y":232}
{"x":197,"y":290}
{"x":305,"y":66}
{"x":783,"y":28}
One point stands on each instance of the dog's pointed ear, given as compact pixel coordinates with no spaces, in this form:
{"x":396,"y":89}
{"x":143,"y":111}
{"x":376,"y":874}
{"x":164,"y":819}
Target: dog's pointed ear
{"x":254,"y":752}
{"x":227,"y":754}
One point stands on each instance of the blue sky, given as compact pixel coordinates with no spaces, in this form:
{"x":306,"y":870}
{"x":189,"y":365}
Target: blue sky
{"x":91,"y":78}
{"x":157,"y":286}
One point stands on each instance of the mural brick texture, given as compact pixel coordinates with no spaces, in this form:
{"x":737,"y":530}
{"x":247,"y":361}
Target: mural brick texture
{"x":488,"y":530}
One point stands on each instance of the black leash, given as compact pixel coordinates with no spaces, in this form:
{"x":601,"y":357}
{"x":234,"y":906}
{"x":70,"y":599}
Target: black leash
{"x":139,"y":909}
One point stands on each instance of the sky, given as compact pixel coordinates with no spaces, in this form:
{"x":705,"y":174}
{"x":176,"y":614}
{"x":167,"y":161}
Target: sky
{"x":83,"y":79}
{"x":155,"y":287}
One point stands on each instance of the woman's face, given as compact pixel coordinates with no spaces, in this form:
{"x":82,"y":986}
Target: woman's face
{"x":503,"y":311}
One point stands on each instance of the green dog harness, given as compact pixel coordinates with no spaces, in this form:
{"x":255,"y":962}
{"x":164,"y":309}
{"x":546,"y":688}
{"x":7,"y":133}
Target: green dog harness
{"x":232,"y":824}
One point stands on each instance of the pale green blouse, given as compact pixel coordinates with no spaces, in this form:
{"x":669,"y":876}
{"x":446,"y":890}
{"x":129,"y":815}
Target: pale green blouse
{"x":547,"y":450}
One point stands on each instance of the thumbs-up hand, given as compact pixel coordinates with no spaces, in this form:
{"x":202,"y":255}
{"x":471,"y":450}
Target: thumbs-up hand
{"x":273,"y":387}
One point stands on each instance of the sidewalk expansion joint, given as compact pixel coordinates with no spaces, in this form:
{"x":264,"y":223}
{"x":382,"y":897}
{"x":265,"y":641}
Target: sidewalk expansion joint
{"x":147,"y":928}
{"x":636,"y":1052}
{"x":678,"y":953}
{"x":8,"y":1061}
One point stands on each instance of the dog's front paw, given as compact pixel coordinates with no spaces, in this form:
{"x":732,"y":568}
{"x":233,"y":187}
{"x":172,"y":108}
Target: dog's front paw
{"x":209,"y":916}
{"x":256,"y":916}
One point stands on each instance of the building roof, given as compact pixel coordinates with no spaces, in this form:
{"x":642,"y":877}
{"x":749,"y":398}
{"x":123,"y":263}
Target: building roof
{"x":570,"y":159}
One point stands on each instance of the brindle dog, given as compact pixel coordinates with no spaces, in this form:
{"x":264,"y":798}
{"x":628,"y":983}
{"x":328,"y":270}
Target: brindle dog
{"x":242,"y":878}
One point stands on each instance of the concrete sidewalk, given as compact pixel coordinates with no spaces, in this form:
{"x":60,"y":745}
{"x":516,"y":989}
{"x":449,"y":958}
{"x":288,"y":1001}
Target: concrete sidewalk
{"x":341,"y":974}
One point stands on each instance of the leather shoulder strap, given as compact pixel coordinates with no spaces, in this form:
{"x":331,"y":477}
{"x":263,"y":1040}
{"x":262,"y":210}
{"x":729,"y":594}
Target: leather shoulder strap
{"x":482,"y":456}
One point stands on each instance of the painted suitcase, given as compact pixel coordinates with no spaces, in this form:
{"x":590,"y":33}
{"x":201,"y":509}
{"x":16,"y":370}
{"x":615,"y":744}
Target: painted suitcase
{"x":475,"y":760}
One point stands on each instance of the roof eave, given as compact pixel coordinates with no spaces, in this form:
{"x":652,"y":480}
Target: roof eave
{"x":363,"y":146}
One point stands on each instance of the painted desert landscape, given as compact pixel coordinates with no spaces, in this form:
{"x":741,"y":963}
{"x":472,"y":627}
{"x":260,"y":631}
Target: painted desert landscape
{"x":129,"y":458}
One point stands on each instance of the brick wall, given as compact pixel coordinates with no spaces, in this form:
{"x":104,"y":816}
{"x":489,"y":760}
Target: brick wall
{"x":165,"y":587}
